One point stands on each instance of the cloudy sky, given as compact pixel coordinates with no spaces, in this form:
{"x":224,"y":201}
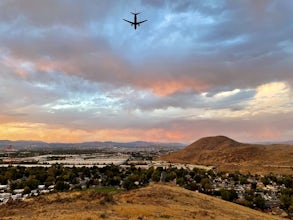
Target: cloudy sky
{"x":73,"y":71}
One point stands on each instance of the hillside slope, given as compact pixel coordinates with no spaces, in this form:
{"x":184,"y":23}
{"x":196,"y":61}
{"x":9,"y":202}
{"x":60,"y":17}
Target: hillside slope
{"x":156,"y":201}
{"x":227,"y":154}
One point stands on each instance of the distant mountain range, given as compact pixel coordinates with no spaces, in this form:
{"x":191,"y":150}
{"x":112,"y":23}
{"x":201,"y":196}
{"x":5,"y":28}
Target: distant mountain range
{"x":281,"y":142}
{"x":229,"y":155}
{"x":88,"y":145}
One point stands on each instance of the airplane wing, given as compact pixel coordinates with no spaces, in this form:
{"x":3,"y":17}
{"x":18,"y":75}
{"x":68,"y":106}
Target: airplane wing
{"x":128,"y":21}
{"x":141,"y":21}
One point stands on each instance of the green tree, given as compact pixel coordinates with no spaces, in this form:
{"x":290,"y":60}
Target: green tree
{"x":10,"y":174}
{"x":288,"y":182}
{"x":235,"y":177}
{"x":206,"y":184}
{"x":129,"y":182}
{"x":171,"y":175}
{"x":180,"y":181}
{"x":228,"y":195}
{"x":3,"y":180}
{"x":243,"y":179}
{"x":181,"y":172}
{"x":52,"y":171}
{"x":61,"y":186}
{"x":27,"y":190}
{"x":13,"y":185}
{"x":197,"y":178}
{"x":286,"y":201}
{"x":265,"y":180}
{"x":290,"y":209}
{"x":115,"y":180}
{"x":32,"y":183}
{"x":249,"y":195}
{"x":49,"y":181}
{"x":259,"y":202}
{"x":253,"y":185}
{"x":149,"y":173}
{"x":191,"y":186}
{"x":156,"y":175}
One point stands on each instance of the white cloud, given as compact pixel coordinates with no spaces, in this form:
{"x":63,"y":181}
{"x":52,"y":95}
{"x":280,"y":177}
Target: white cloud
{"x":226,"y":94}
{"x":272,"y":98}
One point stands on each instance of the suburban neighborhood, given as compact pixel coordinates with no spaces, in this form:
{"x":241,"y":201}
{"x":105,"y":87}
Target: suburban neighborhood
{"x":271,"y":193}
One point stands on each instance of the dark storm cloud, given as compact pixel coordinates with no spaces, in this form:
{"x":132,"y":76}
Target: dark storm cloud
{"x":230,"y":41}
{"x":247,"y":38}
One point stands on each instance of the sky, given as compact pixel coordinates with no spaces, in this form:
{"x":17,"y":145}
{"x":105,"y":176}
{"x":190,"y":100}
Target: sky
{"x":74,"y":71}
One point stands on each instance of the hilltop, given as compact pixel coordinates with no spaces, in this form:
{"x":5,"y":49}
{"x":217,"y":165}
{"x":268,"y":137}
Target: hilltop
{"x":156,"y":201}
{"x":230,"y":155}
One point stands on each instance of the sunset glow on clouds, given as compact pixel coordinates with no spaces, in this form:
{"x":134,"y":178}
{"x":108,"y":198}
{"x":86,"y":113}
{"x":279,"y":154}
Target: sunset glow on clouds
{"x":74,"y":71}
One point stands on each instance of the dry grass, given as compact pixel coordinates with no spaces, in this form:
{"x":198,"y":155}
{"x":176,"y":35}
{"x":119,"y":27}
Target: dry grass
{"x":229,"y":155}
{"x":156,"y":201}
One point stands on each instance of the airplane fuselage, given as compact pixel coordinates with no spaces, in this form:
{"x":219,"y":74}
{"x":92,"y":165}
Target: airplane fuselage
{"x":135,"y":21}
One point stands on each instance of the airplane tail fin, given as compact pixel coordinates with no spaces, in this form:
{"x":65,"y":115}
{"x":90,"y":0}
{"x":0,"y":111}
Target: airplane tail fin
{"x":135,"y":13}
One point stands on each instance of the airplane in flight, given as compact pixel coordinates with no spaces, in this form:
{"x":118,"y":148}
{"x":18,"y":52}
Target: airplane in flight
{"x":135,"y":23}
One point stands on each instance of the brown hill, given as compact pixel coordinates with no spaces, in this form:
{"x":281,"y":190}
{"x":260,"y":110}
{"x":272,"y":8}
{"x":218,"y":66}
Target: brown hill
{"x":156,"y":201}
{"x":227,"y":154}
{"x":213,"y":143}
